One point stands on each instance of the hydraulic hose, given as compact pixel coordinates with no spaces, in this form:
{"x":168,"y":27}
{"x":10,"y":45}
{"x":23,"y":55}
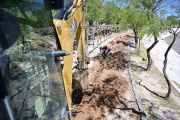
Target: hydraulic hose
{"x":60,"y":14}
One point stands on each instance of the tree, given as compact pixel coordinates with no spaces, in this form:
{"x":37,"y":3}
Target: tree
{"x":155,"y":27}
{"x":111,"y":12}
{"x":173,"y":21}
{"x":174,"y":32}
{"x":141,"y":35}
{"x":156,"y":5}
{"x":133,"y":19}
{"x":154,"y":23}
{"x":95,"y":11}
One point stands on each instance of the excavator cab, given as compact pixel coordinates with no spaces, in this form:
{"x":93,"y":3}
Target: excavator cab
{"x":31,"y":81}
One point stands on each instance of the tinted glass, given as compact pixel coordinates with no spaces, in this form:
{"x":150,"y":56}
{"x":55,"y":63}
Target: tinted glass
{"x":34,"y":81}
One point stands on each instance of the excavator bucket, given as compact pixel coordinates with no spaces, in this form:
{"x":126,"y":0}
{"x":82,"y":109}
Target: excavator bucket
{"x":77,"y":96}
{"x":78,"y":84}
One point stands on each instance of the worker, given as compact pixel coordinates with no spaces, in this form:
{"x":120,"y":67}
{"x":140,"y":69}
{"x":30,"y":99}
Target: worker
{"x":105,"y":50}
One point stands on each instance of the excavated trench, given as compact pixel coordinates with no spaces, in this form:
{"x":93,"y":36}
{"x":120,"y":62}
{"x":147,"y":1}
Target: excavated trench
{"x":106,"y":87}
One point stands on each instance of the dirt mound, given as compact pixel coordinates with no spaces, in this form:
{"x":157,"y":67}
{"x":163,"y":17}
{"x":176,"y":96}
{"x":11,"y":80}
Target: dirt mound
{"x":105,"y":91}
{"x":124,"y":37}
{"x":108,"y":86}
{"x":119,"y":44}
{"x":118,"y":47}
{"x":114,"y":61}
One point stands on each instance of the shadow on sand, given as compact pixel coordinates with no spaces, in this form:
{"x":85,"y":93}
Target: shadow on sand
{"x":132,"y":45}
{"x":149,"y":89}
{"x":123,"y":103}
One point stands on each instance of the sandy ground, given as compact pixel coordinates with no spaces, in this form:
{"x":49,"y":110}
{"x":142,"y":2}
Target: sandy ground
{"x":152,"y":86}
{"x":108,"y":93}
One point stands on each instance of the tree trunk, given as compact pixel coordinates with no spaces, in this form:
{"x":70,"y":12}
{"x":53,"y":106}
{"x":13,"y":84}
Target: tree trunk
{"x":148,"y":53}
{"x":165,"y":65}
{"x":136,"y":38}
{"x":90,"y":23}
{"x":139,"y":46}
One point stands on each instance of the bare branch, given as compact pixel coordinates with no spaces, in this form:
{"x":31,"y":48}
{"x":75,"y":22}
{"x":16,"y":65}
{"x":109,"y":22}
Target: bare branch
{"x":163,"y":5}
{"x":158,"y":4}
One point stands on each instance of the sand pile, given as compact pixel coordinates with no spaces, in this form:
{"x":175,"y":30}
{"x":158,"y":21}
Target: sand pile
{"x":119,"y":43}
{"x":105,"y":89}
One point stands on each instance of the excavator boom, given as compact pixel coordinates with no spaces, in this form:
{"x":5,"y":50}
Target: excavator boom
{"x":70,"y":26}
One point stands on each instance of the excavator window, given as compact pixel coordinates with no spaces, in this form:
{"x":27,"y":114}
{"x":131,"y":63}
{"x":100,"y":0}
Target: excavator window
{"x":34,"y":81}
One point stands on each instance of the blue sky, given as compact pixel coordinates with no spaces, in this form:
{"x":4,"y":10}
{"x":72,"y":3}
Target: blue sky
{"x":166,"y":6}
{"x":169,"y":10}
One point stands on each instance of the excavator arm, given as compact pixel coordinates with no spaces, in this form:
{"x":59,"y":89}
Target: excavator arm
{"x":70,"y":25}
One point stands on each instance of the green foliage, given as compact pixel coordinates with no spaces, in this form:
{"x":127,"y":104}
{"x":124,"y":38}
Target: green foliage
{"x":155,"y":26}
{"x":147,"y":4}
{"x":95,"y":11}
{"x":31,"y":14}
{"x":142,"y":32}
{"x":102,"y":11}
{"x":111,"y":13}
{"x":133,"y":19}
{"x":173,"y":20}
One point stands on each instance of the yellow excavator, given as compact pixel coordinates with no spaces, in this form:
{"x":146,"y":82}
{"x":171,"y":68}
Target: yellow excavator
{"x":42,"y":75}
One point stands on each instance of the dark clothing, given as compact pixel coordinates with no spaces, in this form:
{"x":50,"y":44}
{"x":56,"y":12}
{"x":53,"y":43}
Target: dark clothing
{"x":105,"y":50}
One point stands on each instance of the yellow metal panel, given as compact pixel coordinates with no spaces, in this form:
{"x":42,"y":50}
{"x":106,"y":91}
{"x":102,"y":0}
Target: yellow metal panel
{"x":66,"y":41}
{"x":66,"y":44}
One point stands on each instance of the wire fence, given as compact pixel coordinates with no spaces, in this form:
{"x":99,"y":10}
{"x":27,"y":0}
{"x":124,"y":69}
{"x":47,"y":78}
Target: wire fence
{"x":96,"y":35}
